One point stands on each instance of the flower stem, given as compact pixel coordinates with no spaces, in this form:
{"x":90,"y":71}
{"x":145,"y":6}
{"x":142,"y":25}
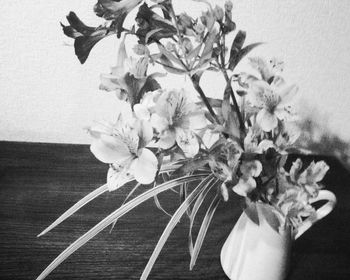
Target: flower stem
{"x":234,"y":100}
{"x":195,"y":82}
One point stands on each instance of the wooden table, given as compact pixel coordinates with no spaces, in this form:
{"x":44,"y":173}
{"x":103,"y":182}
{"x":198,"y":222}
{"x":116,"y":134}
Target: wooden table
{"x":38,"y":182}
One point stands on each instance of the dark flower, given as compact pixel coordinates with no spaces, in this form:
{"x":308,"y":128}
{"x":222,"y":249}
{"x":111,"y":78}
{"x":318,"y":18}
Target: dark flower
{"x":85,"y":36}
{"x":148,"y":21}
{"x":115,"y":10}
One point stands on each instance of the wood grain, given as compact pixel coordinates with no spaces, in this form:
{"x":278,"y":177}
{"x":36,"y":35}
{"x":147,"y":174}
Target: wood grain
{"x":38,"y":182}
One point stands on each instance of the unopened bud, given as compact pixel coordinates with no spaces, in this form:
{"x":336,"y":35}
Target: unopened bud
{"x":228,"y":6}
{"x":218,"y":13}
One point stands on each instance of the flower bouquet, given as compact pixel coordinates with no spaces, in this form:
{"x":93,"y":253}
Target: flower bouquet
{"x":182,"y":139}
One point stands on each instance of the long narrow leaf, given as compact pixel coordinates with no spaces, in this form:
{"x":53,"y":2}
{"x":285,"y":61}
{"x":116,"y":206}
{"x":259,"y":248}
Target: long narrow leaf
{"x":172,"y":223}
{"x":91,"y":196}
{"x":159,"y":206}
{"x":125,"y":200}
{"x":195,"y":209}
{"x":242,"y":53}
{"x":113,"y":216}
{"x":204,"y":228}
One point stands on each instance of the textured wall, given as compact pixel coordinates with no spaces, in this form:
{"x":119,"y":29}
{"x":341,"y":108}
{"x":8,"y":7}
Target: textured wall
{"x":47,"y":96}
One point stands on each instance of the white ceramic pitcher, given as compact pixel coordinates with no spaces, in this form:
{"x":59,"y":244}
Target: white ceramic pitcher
{"x":257,"y":252}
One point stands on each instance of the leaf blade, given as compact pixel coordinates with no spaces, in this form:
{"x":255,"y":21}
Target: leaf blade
{"x":112,"y":217}
{"x":204,"y":228}
{"x":172,"y":223}
{"x":91,"y":196}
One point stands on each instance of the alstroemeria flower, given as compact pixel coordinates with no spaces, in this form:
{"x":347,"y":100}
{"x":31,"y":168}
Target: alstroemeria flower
{"x":247,"y":183}
{"x":313,"y":174}
{"x":268,"y":70}
{"x":85,"y":36}
{"x":252,"y":144}
{"x":175,"y":118}
{"x":274,"y":102}
{"x":115,"y":10}
{"x":124,"y":147}
{"x":129,"y":79}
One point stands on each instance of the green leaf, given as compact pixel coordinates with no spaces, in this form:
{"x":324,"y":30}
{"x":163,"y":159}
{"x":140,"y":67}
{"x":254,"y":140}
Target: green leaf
{"x":208,"y":48}
{"x":226,"y":106}
{"x":159,"y":206}
{"x":269,"y":214}
{"x":113,"y":216}
{"x":169,"y":67}
{"x":169,"y":55}
{"x":203,"y":229}
{"x":242,"y":53}
{"x":236,"y":46}
{"x":252,"y":212}
{"x":195,"y":209}
{"x":91,"y":196}
{"x":169,"y":228}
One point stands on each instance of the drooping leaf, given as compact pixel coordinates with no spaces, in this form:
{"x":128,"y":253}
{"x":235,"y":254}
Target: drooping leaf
{"x":209,"y":185}
{"x":169,"y":228}
{"x":203,"y":229}
{"x":252,"y":212}
{"x":116,"y":215}
{"x":269,"y":215}
{"x":91,"y":196}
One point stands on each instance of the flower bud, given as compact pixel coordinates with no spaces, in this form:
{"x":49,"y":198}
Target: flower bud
{"x":228,"y":6}
{"x":218,"y":13}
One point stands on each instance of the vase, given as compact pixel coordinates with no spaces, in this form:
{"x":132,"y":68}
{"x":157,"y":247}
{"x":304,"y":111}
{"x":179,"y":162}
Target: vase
{"x":258,"y":252}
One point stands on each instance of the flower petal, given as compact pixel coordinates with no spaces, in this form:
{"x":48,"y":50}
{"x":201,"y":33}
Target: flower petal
{"x":117,"y":176}
{"x":167,"y":139}
{"x":110,"y":149}
{"x":159,"y":123}
{"x":145,"y":133}
{"x":244,"y":186}
{"x":266,"y":120}
{"x":145,"y":167}
{"x":142,"y":112}
{"x":187,"y":141}
{"x":251,"y":168}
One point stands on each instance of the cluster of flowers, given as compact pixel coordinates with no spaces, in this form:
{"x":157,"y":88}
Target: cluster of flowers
{"x":239,"y":142}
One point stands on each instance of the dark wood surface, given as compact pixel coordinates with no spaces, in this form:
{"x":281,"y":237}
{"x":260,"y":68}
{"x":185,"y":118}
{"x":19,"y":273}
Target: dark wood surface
{"x":38,"y":182}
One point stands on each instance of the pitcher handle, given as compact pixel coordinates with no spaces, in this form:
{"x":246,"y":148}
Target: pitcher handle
{"x":320,"y":213}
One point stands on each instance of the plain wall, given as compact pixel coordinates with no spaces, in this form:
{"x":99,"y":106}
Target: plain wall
{"x":47,"y":96}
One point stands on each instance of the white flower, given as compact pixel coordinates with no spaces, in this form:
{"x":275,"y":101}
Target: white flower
{"x":274,"y":102}
{"x":247,"y":183}
{"x":174,"y":118}
{"x":268,"y":70}
{"x":252,"y":144}
{"x":123,"y":146}
{"x":119,"y":78}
